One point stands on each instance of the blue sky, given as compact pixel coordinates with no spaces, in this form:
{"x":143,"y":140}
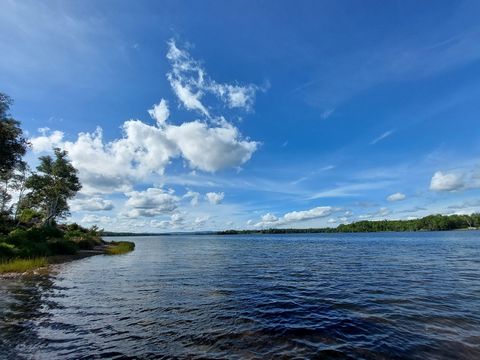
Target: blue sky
{"x":184,"y":115}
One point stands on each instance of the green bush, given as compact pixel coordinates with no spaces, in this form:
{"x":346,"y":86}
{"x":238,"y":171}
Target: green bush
{"x":62,"y":247}
{"x":74,"y":235}
{"x":6,"y":250}
{"x":86,"y":244}
{"x":33,"y":249}
{"x":18,"y":236}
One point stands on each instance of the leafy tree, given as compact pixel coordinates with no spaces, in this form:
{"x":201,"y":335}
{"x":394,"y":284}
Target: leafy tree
{"x":55,"y":183}
{"x":12,"y":143}
{"x":12,"y":148}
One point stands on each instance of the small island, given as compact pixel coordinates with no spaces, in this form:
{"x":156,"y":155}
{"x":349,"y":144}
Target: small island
{"x":33,"y":202}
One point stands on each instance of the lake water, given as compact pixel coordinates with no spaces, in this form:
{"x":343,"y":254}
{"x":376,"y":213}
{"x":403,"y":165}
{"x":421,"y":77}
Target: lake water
{"x":339,"y":296}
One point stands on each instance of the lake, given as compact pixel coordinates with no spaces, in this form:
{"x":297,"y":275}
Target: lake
{"x":339,"y":296}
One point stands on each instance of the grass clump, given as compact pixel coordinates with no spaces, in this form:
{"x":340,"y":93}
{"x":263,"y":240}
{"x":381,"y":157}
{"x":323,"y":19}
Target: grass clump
{"x":119,"y":247}
{"x":22,"y":265}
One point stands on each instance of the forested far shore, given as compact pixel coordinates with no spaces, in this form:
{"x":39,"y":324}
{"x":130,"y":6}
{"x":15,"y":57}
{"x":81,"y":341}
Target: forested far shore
{"x":427,"y":223}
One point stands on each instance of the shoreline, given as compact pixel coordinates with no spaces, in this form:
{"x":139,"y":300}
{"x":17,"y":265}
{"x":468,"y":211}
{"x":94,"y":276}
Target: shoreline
{"x":107,"y":248}
{"x":53,"y":261}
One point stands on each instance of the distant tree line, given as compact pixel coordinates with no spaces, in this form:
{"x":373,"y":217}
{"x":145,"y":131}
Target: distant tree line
{"x":427,"y":223}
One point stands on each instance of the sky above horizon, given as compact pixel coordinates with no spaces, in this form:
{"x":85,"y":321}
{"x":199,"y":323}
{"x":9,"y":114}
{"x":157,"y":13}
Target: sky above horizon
{"x":212,"y":115}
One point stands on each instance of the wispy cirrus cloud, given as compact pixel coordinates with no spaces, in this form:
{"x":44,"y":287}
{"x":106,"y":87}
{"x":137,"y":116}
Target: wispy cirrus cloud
{"x":383,"y":136}
{"x":191,"y":83}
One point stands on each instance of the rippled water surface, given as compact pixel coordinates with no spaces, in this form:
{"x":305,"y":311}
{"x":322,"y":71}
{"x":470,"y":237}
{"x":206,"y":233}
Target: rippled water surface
{"x":372,"y":296}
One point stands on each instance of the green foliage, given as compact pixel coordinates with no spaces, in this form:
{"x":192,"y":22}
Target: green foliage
{"x":87,"y":244}
{"x":22,"y":265}
{"x":120,"y":247}
{"x":30,"y":216}
{"x":33,"y":249}
{"x":55,"y":183}
{"x":86,"y":239}
{"x":13,"y":147}
{"x":75,"y":235}
{"x":62,"y":247}
{"x":42,"y":198}
{"x":12,"y":143}
{"x":18,"y":236}
{"x":6,"y":250}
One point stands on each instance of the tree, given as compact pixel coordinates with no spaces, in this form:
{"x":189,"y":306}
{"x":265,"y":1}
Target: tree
{"x":53,"y":186}
{"x":12,"y":148}
{"x":12,"y":143}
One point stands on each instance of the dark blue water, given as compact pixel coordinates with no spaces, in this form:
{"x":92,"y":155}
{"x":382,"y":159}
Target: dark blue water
{"x":370,"y":296}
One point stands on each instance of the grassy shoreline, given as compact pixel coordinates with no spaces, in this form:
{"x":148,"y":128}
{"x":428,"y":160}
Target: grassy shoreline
{"x":24,"y":266}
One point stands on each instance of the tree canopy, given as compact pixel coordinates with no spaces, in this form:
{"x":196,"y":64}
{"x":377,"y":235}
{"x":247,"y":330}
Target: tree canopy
{"x":50,"y":189}
{"x":13,"y":145}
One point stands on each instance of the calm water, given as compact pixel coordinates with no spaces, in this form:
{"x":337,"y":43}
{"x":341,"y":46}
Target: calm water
{"x":372,"y":296}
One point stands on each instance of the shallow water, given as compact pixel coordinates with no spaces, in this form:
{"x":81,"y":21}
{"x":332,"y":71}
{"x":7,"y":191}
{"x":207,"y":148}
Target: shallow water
{"x":371,"y":296}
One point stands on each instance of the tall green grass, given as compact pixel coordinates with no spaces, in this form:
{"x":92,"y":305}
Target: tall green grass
{"x":120,"y":247}
{"x":22,"y":265}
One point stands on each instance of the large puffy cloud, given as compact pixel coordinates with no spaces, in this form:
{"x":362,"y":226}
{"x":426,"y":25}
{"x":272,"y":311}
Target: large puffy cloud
{"x":115,"y":165}
{"x":211,"y":148}
{"x":270,"y":220}
{"x":446,"y":181}
{"x":464,"y":179}
{"x":150,"y":203}
{"x":145,"y":149}
{"x":47,"y":140}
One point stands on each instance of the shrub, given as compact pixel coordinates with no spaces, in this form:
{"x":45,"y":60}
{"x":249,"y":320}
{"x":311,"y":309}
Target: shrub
{"x":44,"y":233}
{"x":74,"y":235}
{"x":62,"y":247}
{"x":86,"y":244}
{"x":18,"y":236}
{"x":6,"y":250}
{"x":33,"y":249}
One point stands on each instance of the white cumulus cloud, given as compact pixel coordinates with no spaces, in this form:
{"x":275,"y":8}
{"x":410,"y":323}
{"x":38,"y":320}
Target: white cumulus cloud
{"x":270,"y":220}
{"x":396,"y":197}
{"x":47,"y":141}
{"x":214,"y":198}
{"x":446,"y":181}
{"x":160,"y":112}
{"x":95,"y":203}
{"x":149,"y":203}
{"x":211,"y":148}
{"x":146,"y":149}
